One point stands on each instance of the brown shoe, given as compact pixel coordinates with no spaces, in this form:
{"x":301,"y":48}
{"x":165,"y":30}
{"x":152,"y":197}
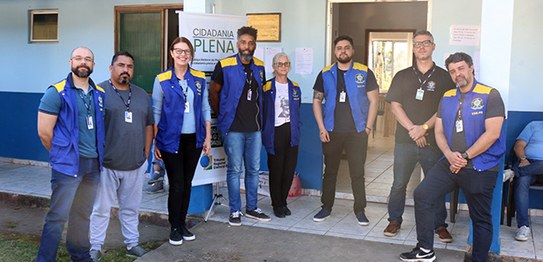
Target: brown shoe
{"x":392,"y":228}
{"x":444,"y":235}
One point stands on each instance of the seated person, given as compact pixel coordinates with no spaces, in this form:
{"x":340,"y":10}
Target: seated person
{"x":529,"y":151}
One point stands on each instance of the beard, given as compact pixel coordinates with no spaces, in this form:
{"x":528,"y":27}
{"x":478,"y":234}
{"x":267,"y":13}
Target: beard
{"x":124,"y":78}
{"x":246,"y":56}
{"x":82,"y":73}
{"x":344,"y":59}
{"x":462,"y":81}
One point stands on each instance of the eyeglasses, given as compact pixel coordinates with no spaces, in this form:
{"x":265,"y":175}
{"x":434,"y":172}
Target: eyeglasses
{"x":425,"y":43}
{"x":280,"y":64}
{"x":79,"y":59}
{"x":180,"y":51}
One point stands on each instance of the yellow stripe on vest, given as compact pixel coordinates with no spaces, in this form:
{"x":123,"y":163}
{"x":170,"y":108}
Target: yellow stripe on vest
{"x":164,"y":76}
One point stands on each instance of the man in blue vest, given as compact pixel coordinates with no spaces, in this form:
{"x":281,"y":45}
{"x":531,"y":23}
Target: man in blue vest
{"x":236,"y":97}
{"x":468,"y":132}
{"x":345,"y":118}
{"x":71,"y":128}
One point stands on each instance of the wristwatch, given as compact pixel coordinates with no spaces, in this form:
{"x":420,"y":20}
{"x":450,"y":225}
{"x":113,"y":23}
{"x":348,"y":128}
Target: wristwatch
{"x":523,"y":158}
{"x":465,"y":156}
{"x":425,"y":126}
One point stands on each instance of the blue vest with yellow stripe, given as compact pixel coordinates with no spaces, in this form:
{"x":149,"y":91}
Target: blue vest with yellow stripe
{"x":355,"y":84}
{"x":173,"y":109}
{"x":268,"y":125}
{"x":473,"y":117}
{"x":64,"y":153}
{"x":234,"y":81}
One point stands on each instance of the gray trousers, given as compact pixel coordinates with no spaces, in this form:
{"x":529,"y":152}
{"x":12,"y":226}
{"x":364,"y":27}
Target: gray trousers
{"x":126,"y":187}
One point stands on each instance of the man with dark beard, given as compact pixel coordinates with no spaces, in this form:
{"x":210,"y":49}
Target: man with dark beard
{"x":236,"y":89}
{"x":345,"y":118}
{"x":468,"y":130}
{"x":71,"y":128}
{"x":129,"y":132}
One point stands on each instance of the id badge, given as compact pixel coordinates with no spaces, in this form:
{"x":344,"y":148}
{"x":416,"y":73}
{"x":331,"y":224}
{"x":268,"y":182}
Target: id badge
{"x":249,"y":94}
{"x":342,"y":96}
{"x":459,"y":126}
{"x":90,"y":124}
{"x":187,"y":107}
{"x":420,"y":94}
{"x":127,"y":116}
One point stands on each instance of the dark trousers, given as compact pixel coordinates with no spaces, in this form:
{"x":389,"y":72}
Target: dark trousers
{"x":355,"y":145}
{"x":477,"y":187}
{"x":72,"y":199}
{"x":180,"y":169}
{"x":282,"y":166}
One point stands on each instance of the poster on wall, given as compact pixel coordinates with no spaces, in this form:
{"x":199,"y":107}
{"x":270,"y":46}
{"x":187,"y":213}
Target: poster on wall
{"x":213,"y":36}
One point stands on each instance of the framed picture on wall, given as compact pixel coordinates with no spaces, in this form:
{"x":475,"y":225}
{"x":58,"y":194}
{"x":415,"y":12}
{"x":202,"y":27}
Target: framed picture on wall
{"x":267,"y":24}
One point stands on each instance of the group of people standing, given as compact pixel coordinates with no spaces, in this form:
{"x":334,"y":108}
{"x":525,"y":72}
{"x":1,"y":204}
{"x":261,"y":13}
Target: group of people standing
{"x":100,"y":136}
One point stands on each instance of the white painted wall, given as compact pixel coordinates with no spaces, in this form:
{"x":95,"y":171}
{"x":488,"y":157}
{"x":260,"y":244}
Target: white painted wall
{"x":26,"y":67}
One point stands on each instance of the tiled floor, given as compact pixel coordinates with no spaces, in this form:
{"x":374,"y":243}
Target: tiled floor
{"x":34,"y":180}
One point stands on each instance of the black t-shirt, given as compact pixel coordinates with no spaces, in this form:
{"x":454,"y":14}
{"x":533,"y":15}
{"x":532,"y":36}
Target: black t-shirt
{"x":247,"y":112}
{"x":343,"y":117}
{"x":494,"y":108}
{"x":403,"y":89}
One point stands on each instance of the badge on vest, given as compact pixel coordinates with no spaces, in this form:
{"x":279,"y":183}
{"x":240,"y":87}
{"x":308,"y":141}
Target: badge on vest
{"x":90,"y":123}
{"x":459,"y":126}
{"x":342,"y":97}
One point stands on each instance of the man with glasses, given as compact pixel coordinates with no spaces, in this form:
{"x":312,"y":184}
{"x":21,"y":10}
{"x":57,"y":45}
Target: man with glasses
{"x":345,"y":101}
{"x":71,"y":128}
{"x":129,"y":132}
{"x":414,"y":95}
{"x":236,"y":96}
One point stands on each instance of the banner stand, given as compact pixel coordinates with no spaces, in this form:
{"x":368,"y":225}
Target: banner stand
{"x":218,"y":200}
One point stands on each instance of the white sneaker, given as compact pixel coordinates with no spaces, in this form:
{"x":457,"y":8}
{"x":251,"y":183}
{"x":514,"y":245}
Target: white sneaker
{"x":523,"y":233}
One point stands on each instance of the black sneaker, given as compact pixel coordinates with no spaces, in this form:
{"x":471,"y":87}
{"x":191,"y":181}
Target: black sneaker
{"x":362,"y":219}
{"x":417,"y":255}
{"x":322,"y":215}
{"x":257,"y":214}
{"x":287,"y":211}
{"x":176,"y":238}
{"x":235,"y":219}
{"x":279,"y":212}
{"x":187,"y":235}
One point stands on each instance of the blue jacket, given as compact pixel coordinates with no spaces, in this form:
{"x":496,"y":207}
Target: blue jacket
{"x":268,"y":110}
{"x":355,"y":82}
{"x":473,"y":117}
{"x":171,"y":119}
{"x":234,"y":81}
{"x":64,"y":153}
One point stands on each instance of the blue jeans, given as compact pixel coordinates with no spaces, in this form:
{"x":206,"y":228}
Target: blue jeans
{"x":72,"y":200}
{"x":478,"y":188}
{"x":406,"y":157}
{"x":242,"y":148}
{"x":525,"y":176}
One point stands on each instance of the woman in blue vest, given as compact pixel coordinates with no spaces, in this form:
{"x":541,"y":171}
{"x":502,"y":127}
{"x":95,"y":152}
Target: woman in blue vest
{"x":182,"y":113}
{"x":281,"y":131}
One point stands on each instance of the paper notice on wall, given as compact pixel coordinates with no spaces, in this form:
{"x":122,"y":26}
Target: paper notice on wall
{"x":270,"y":52}
{"x":466,"y":35}
{"x":304,"y":61}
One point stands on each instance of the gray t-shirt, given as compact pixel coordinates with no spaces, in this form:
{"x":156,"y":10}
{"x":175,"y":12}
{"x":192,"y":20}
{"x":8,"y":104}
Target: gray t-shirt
{"x":125,"y":142}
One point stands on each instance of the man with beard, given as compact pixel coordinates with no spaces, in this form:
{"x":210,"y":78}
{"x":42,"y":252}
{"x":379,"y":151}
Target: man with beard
{"x":468,"y":131}
{"x":71,"y":128}
{"x":129,"y":132}
{"x":236,"y":89}
{"x":414,"y":95}
{"x":350,"y":93}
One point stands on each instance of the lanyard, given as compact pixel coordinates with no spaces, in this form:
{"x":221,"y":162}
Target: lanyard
{"x":127,"y":104}
{"x":460,"y":102}
{"x":249,"y":78}
{"x":85,"y":101}
{"x":426,"y":79}
{"x":184,"y":87}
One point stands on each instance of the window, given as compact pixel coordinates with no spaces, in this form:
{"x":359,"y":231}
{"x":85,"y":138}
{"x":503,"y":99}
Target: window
{"x":43,"y":26}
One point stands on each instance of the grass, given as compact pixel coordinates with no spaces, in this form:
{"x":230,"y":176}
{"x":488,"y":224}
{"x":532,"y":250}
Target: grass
{"x":17,"y":247}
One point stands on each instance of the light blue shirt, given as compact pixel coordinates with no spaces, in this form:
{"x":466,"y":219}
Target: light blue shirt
{"x":533,"y":136}
{"x":189,"y":119}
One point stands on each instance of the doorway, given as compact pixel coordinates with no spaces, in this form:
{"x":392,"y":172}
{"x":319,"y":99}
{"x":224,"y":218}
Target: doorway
{"x":382,"y":33}
{"x":146,"y":32}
